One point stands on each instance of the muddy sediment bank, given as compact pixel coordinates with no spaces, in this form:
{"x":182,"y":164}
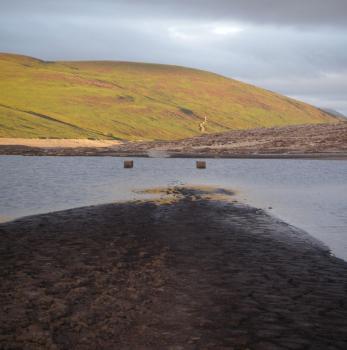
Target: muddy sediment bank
{"x":188,"y":271}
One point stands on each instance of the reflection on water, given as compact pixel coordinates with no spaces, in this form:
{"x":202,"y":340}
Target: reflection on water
{"x":310,"y":194}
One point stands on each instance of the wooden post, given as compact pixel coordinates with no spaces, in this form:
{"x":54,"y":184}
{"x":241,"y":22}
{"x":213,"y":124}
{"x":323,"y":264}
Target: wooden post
{"x":201,"y":164}
{"x":128,"y":164}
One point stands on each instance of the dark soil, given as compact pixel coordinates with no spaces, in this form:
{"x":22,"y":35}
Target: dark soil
{"x":193,"y":273}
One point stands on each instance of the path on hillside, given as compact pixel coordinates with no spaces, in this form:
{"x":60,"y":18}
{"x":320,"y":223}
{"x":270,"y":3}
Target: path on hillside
{"x":190,"y":271}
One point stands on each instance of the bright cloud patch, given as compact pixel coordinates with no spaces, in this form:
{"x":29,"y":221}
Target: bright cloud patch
{"x":227,"y":30}
{"x":203,"y":32}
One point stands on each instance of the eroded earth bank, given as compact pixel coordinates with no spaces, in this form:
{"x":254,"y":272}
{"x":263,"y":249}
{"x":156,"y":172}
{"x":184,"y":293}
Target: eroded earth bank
{"x":188,"y":271}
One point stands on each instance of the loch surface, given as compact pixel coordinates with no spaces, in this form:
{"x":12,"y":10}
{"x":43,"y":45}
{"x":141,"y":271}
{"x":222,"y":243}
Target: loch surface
{"x":309,"y":194}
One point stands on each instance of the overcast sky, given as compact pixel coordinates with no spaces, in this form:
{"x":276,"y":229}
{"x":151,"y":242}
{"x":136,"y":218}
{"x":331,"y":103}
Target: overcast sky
{"x":295,"y":47}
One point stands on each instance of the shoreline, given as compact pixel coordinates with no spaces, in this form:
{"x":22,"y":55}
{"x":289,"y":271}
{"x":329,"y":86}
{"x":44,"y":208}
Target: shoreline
{"x":189,"y":270}
{"x":320,"y":141}
{"x":15,"y":150}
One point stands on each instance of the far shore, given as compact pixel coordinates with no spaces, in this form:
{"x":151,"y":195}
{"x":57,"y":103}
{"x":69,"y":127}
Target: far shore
{"x":121,"y":150}
{"x":192,"y":269}
{"x":321,"y":141}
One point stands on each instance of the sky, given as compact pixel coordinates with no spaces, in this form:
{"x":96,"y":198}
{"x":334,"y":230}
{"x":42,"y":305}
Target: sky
{"x":294,"y":47}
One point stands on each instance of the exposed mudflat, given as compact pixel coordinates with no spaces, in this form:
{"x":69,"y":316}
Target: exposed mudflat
{"x":303,"y":141}
{"x":189,"y":271}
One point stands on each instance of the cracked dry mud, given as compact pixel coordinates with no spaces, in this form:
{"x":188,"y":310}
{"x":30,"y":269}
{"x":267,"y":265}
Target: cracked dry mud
{"x":191,"y":272}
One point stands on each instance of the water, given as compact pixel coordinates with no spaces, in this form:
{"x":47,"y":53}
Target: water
{"x":309,"y":194}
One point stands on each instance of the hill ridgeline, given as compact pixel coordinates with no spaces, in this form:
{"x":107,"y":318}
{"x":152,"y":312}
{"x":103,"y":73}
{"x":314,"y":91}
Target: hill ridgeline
{"x":134,"y":101}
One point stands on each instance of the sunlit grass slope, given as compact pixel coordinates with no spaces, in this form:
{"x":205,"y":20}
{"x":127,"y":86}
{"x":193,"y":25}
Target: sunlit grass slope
{"x":133,"y":101}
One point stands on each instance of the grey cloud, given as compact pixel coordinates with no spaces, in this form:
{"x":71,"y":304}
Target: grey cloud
{"x":279,"y":12}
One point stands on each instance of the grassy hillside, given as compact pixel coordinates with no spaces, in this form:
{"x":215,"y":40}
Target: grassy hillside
{"x":133,"y":101}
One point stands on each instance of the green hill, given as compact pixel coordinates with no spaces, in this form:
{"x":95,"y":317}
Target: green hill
{"x":133,"y":101}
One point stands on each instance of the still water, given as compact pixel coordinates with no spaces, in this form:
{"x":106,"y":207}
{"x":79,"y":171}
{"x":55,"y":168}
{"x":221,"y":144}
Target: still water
{"x":309,"y":194}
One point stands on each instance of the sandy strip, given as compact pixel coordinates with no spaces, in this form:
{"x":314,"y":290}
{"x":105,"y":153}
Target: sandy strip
{"x":190,"y":271}
{"x":58,"y":143}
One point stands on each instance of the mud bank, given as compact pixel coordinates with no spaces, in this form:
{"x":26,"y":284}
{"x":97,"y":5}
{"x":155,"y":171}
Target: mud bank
{"x":188,"y":271}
